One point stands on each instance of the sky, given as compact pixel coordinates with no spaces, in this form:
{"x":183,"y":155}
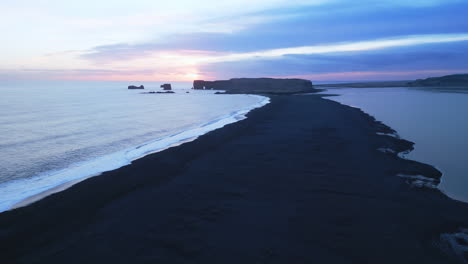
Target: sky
{"x":183,"y":40}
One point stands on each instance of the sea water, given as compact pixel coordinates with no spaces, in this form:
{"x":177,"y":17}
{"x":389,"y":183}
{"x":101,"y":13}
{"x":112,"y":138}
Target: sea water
{"x":54,"y":133}
{"x":436,"y":121}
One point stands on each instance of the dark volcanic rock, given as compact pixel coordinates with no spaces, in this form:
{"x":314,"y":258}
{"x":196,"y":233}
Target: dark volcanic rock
{"x":166,"y":86}
{"x":132,"y":87}
{"x":257,"y":85}
{"x":198,"y":84}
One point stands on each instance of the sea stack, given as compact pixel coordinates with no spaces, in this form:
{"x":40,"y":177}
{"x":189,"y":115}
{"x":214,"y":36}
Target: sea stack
{"x":166,"y":87}
{"x":131,"y":87}
{"x":199,"y":84}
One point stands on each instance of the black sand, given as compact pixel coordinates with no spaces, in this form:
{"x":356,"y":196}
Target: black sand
{"x":299,"y":181}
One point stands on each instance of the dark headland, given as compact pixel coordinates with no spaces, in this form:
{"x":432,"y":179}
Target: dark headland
{"x":453,"y":82}
{"x":301,"y":180}
{"x":257,"y":85}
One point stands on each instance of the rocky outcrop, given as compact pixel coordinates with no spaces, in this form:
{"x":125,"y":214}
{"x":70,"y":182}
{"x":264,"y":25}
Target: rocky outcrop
{"x":166,"y":87}
{"x":159,"y":92}
{"x":257,"y":85}
{"x":456,"y":80}
{"x":198,"y":84}
{"x":132,"y":87}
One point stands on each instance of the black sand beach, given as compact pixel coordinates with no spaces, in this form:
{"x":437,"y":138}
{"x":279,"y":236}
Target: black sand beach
{"x":301,"y":180}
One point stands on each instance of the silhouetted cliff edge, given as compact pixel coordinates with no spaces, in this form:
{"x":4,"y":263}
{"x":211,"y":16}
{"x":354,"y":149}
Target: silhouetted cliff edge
{"x":456,"y":80}
{"x":449,"y":81}
{"x":257,"y":85}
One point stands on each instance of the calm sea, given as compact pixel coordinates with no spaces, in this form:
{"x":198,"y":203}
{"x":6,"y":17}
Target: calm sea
{"x":436,"y":121}
{"x":52,"y":133}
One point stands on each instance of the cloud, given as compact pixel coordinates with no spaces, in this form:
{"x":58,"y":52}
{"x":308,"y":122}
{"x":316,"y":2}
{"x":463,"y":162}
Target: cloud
{"x":110,"y":54}
{"x":344,"y":47}
{"x":416,"y":60}
{"x":290,"y":27}
{"x":411,"y":53}
{"x":178,"y":39}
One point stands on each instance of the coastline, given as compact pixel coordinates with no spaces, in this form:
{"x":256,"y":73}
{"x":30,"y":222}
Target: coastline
{"x":82,"y":171}
{"x":434,"y":121}
{"x":283,"y":185}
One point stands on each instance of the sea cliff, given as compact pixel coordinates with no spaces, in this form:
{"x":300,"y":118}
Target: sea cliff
{"x":456,"y":80}
{"x":257,"y":85}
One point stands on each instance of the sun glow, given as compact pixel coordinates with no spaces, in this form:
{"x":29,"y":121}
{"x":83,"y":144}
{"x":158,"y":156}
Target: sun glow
{"x":192,"y":76}
{"x":185,"y":65}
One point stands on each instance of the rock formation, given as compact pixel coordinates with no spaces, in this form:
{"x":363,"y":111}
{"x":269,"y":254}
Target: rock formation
{"x":257,"y":85}
{"x":198,"y":84}
{"x":166,"y":87}
{"x":136,"y":87}
{"x":456,"y":80}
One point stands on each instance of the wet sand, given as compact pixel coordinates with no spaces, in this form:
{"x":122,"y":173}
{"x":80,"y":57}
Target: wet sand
{"x":301,"y":180}
{"x":42,"y":195}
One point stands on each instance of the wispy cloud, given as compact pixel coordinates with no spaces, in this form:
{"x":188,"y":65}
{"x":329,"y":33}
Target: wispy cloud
{"x":181,"y":39}
{"x":188,"y":64}
{"x":340,"y":47}
{"x":188,"y":58}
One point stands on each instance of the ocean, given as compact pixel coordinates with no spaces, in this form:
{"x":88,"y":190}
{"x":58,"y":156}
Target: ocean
{"x":435,"y":121}
{"x":53,"y":133}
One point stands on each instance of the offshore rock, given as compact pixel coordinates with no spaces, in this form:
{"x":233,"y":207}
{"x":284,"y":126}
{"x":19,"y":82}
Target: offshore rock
{"x":131,"y":87}
{"x":166,"y":87}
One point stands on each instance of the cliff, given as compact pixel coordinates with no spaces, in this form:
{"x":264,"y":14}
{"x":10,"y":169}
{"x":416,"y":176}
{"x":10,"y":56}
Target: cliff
{"x":257,"y":85}
{"x":456,"y":80}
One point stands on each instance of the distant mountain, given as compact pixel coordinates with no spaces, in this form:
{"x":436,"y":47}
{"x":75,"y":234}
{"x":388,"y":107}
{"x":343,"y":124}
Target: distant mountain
{"x":456,"y":80}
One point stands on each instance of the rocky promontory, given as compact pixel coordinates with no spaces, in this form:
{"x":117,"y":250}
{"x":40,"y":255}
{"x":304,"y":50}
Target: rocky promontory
{"x":453,"y":82}
{"x":257,"y":85}
{"x":456,"y":80}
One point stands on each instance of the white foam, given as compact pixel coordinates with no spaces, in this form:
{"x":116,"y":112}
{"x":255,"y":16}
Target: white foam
{"x":12,"y":193}
{"x":395,"y":135}
{"x":386,"y":150}
{"x":420,"y":181}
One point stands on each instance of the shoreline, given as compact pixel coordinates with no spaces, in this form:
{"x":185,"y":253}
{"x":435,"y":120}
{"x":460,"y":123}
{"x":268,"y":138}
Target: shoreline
{"x":431,"y":182}
{"x":438,"y":133}
{"x":173,"y":140}
{"x":283,"y":185}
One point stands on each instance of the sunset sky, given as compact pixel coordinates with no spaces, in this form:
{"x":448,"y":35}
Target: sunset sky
{"x":182,"y":40}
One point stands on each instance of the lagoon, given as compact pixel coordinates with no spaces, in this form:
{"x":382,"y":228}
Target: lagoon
{"x":436,"y":121}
